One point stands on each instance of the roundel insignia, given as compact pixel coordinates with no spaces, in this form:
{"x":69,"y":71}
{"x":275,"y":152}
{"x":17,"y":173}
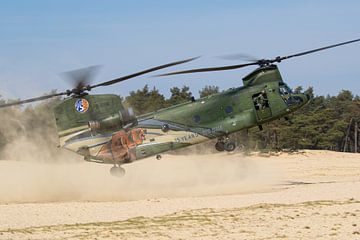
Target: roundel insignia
{"x":81,"y":105}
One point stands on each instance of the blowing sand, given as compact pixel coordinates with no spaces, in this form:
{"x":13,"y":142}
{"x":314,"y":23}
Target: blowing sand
{"x":309,"y":195}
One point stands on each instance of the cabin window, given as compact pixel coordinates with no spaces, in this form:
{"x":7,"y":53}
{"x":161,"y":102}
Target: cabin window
{"x":197,"y":118}
{"x":229,"y":109}
{"x":260,"y":100}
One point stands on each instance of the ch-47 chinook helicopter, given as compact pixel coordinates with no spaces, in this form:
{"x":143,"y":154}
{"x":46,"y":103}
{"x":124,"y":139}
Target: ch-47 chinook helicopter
{"x":102,"y":130}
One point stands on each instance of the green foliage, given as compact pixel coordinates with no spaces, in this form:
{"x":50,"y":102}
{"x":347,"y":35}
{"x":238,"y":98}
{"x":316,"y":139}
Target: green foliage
{"x":143,"y":100}
{"x":208,"y":90}
{"x":179,"y":95}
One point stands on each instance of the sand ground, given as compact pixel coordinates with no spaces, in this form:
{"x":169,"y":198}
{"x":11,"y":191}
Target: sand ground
{"x":308,"y":195}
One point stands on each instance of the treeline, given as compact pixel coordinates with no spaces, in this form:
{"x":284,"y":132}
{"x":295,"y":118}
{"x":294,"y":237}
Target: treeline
{"x":327,"y":122}
{"x":145,"y":100}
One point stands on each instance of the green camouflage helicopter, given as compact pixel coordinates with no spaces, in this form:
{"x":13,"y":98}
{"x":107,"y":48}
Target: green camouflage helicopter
{"x":102,"y":130}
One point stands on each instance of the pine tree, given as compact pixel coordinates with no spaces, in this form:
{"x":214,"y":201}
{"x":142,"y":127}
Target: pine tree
{"x":144,"y":101}
{"x":208,"y":90}
{"x":179,"y":95}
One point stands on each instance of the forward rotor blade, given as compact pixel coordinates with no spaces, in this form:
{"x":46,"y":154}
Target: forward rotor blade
{"x":260,"y":62}
{"x":278,"y":59}
{"x":211,"y":69}
{"x":116,"y":80}
{"x":33,"y":99}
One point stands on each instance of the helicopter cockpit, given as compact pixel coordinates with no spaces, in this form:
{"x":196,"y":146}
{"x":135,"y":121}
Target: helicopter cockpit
{"x":284,"y":90}
{"x":293,"y":100}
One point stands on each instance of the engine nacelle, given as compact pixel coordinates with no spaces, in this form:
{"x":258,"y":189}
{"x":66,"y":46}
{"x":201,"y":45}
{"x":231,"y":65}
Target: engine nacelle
{"x":115,"y":122}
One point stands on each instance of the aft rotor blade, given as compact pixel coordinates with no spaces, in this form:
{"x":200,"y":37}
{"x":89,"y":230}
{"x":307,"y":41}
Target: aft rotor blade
{"x":33,"y":99}
{"x":116,"y":80}
{"x":81,"y":77}
{"x":211,"y":69}
{"x":278,"y":59}
{"x":239,"y":56}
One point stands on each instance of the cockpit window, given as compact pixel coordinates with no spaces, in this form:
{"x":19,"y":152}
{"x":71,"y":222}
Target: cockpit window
{"x":284,"y":89}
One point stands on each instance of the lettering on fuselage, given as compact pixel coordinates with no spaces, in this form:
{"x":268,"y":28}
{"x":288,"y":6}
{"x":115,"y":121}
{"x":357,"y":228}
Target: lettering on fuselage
{"x":186,"y":137}
{"x":212,"y":130}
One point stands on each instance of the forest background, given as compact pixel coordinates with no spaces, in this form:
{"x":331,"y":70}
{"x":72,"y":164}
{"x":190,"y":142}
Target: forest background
{"x":327,"y":122}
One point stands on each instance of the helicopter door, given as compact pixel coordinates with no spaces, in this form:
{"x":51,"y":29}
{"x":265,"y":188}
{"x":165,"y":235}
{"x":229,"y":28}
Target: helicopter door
{"x":262,"y":106}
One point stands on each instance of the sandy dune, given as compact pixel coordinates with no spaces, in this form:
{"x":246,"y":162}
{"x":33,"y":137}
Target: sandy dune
{"x":309,"y":195}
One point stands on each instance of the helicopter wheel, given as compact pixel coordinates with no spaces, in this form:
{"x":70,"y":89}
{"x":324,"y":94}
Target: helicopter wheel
{"x":158,"y":157}
{"x":117,"y":171}
{"x":229,"y":146}
{"x":220,"y":146}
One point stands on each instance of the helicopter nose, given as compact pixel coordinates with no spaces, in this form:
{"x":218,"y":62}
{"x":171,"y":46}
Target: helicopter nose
{"x":298,"y":100}
{"x":305,"y":98}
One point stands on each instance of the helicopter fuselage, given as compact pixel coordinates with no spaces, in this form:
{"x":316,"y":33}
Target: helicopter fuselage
{"x":263,"y":98}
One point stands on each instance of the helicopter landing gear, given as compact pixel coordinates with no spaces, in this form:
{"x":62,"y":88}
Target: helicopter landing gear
{"x":158,"y":157}
{"x":117,"y":171}
{"x":220,"y":146}
{"x":230,"y":146}
{"x":225,"y":144}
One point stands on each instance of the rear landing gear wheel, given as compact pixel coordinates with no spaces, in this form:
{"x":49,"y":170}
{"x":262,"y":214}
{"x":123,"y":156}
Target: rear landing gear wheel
{"x":117,"y":171}
{"x":230,"y":146}
{"x":158,"y":157}
{"x":220,"y":146}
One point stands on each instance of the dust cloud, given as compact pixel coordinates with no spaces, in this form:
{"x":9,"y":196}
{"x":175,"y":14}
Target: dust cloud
{"x":33,"y":169}
{"x":30,"y":134}
{"x":29,"y":180}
